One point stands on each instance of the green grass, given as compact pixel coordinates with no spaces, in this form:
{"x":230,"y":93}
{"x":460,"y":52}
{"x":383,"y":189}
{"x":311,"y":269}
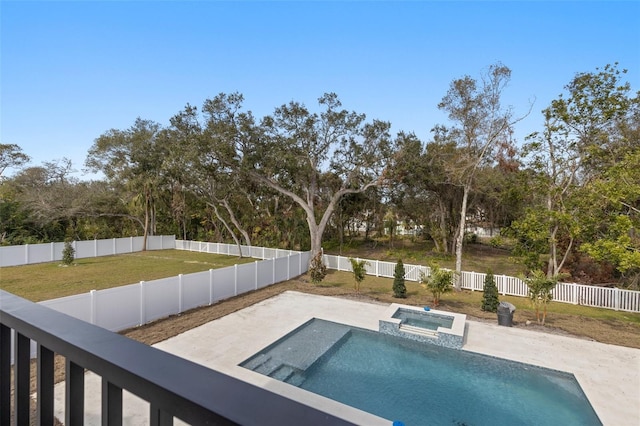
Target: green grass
{"x":46,"y":281}
{"x":465,"y":301}
{"x":476,"y":257}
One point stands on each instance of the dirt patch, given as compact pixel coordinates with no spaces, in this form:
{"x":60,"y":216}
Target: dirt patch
{"x":604,"y":331}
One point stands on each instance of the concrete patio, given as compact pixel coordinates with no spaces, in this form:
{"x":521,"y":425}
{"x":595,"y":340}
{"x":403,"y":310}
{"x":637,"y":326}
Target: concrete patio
{"x":609,"y":375}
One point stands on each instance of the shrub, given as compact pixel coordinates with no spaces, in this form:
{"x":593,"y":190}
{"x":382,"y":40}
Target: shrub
{"x":68,"y":253}
{"x":540,"y":287}
{"x":317,"y":269}
{"x":359,"y":271}
{"x":490,"y":299}
{"x":399,"y":289}
{"x":439,"y":282}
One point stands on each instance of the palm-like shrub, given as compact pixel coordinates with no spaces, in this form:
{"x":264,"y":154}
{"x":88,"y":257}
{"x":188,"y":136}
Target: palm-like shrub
{"x":439,"y":282}
{"x":359,"y":271}
{"x":317,"y":269}
{"x":540,"y":287}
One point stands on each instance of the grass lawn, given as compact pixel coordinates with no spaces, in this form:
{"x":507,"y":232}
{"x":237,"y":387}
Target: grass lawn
{"x":51,"y":280}
{"x":476,"y":257}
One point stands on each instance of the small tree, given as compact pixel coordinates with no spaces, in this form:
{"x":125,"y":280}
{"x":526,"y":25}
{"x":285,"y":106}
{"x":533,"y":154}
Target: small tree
{"x":399,"y":289}
{"x":540,"y":287}
{"x":490,"y":299}
{"x":440,"y":281}
{"x":317,"y":269}
{"x":68,"y":253}
{"x":359,"y":271}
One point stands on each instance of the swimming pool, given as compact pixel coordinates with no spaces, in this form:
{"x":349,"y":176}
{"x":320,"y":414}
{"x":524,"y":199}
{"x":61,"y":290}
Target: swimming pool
{"x":400,"y":379}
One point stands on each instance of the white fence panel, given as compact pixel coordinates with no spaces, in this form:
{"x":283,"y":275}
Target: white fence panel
{"x":161,"y":298}
{"x":265,"y":273}
{"x":39,"y":253}
{"x":195,"y":290}
{"x":246,"y":278}
{"x":305,"y":259}
{"x":124,"y":245}
{"x":630,"y":300}
{"x":12,"y":255}
{"x":223,"y":283}
{"x":282,"y":269}
{"x":117,"y":308}
{"x":104,"y":247}
{"x":411,"y":272}
{"x":77,"y":306}
{"x":84,"y":249}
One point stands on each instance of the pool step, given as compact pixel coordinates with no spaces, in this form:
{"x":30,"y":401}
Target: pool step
{"x":288,"y":374}
{"x":418,"y":330}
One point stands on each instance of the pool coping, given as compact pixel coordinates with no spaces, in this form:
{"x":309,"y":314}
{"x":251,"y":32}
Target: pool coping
{"x":609,"y":375}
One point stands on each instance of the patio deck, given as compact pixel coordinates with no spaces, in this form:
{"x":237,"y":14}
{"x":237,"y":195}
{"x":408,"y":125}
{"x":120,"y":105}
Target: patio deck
{"x":608,"y":374}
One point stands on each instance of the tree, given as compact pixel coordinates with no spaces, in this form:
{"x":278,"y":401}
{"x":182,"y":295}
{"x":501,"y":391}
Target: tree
{"x":359,"y":271}
{"x":68,"y":253}
{"x":582,"y":166}
{"x":11,"y":155}
{"x":302,"y":155}
{"x":399,"y":288}
{"x":133,"y":157}
{"x":490,"y":299}
{"x":438,"y":282}
{"x":540,"y":292}
{"x":481,"y":123}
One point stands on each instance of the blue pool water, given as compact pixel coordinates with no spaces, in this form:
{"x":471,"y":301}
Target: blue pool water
{"x":421,"y":384}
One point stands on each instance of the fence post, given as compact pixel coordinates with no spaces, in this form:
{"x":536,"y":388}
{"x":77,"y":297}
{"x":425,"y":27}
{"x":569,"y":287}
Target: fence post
{"x":256,"y":274}
{"x":210,"y":286}
{"x":143,"y":313}
{"x":130,"y":244}
{"x":92,"y":295}
{"x":262,"y":252}
{"x":377,"y":268}
{"x":504,"y":285}
{"x":180,"y":288}
{"x":115,"y":247}
{"x":473,"y":281}
{"x":289,"y":266}
{"x":53,"y":251}
{"x":273,"y":271}
{"x":26,"y":254}
{"x":235,"y":279}
{"x":574,"y":294}
{"x":616,"y":295}
{"x":95,"y":247}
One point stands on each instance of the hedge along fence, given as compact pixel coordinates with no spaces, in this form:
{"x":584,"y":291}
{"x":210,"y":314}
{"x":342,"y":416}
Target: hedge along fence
{"x":52,"y":252}
{"x":577,"y":294}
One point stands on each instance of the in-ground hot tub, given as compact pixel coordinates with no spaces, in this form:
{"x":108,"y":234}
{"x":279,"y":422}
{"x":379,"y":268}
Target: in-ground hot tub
{"x":429,"y":326}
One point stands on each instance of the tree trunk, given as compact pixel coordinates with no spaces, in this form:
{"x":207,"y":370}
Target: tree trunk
{"x":460,"y":239}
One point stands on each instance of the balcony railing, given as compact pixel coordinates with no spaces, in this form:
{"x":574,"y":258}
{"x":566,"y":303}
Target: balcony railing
{"x":173,"y":386}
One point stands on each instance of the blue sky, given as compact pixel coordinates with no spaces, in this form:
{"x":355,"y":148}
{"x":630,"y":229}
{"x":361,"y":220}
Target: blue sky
{"x":72,"y":70}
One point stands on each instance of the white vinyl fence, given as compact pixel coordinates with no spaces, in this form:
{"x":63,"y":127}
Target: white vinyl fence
{"x":52,"y":252}
{"x":577,"y":294}
{"x":128,"y":306}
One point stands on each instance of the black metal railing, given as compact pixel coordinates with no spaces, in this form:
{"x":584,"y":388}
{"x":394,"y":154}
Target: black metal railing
{"x":173,"y":386}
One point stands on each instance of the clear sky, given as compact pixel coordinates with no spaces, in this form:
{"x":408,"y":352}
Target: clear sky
{"x":72,"y":70}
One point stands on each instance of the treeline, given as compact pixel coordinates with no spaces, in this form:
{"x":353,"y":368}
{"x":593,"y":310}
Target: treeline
{"x":568,"y":196}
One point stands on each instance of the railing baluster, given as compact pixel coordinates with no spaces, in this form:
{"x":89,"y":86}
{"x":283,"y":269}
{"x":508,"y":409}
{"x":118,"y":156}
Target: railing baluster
{"x":45,"y":386}
{"x":74,"y":394}
{"x":5,"y":375}
{"x":111,"y":404}
{"x":22,"y":377}
{"x":159,"y":417}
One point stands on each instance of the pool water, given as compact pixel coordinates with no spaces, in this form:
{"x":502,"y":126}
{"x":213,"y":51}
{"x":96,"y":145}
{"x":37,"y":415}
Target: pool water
{"x":423,"y":319}
{"x":421,"y":384}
